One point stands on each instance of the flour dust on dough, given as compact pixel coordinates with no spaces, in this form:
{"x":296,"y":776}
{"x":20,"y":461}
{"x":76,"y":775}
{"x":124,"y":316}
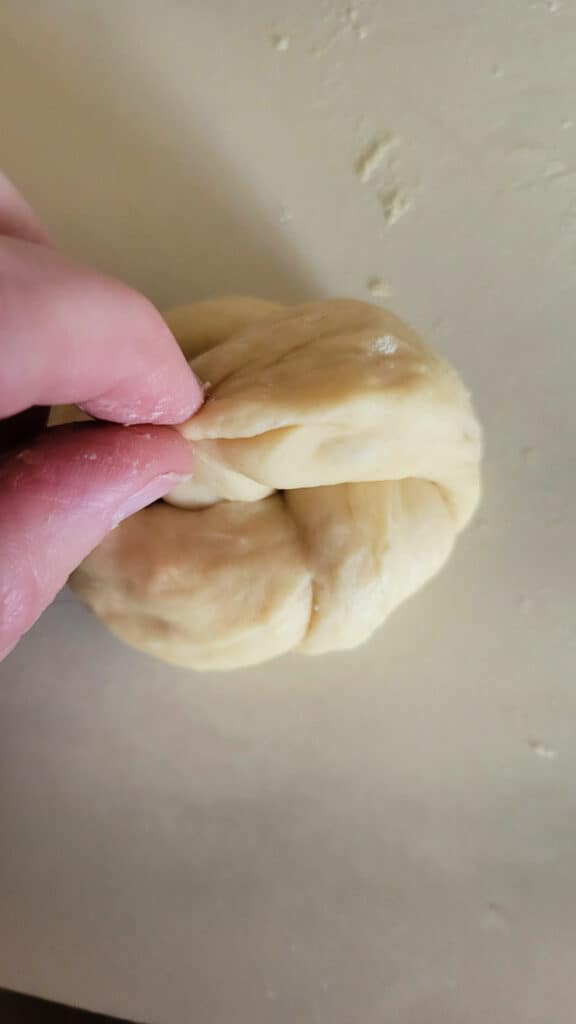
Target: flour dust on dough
{"x":337,"y":459}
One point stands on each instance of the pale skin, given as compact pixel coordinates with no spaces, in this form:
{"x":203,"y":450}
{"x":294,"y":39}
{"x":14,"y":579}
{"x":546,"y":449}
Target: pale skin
{"x":71,"y":335}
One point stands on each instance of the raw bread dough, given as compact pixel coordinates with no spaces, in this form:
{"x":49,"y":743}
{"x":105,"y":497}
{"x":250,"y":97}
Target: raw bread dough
{"x":337,"y":459}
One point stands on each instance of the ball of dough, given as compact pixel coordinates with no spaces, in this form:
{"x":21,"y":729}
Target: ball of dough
{"x":337,"y":458}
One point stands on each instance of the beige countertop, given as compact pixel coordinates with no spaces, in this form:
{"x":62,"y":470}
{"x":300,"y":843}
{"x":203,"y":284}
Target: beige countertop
{"x":387,"y":836}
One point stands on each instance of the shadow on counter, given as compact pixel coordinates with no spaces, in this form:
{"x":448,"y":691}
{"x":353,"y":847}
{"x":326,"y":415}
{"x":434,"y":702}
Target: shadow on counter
{"x":128,"y":178}
{"x":19,"y":1009}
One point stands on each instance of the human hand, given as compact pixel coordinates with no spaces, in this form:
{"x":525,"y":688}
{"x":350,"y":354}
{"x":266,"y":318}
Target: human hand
{"x":71,"y":335}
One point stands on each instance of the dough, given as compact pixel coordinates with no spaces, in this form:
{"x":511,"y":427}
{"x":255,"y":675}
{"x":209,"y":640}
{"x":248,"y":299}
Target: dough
{"x":337,"y":459}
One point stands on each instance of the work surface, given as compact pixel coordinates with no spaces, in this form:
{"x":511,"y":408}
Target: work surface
{"x":387,"y":836}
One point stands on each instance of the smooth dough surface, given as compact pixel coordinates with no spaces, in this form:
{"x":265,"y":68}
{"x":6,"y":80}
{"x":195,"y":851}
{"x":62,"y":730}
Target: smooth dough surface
{"x":337,"y":458}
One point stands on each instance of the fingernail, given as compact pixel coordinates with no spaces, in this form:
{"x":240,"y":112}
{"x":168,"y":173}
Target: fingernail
{"x":153,"y":490}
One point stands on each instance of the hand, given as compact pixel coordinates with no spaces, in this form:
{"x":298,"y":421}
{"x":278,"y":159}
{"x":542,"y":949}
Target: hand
{"x":71,"y":335}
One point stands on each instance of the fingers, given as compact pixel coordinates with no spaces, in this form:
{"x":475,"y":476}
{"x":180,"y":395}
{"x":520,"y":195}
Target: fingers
{"x":68,"y":334}
{"x":59,"y":498}
{"x":17,"y":219}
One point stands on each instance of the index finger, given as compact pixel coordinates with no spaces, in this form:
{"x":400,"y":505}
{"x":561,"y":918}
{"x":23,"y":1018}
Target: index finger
{"x":17,"y":218}
{"x":72,"y":335}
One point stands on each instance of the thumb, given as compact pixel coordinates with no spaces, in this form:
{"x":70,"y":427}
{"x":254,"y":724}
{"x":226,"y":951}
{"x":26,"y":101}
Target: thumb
{"x":58,"y":499}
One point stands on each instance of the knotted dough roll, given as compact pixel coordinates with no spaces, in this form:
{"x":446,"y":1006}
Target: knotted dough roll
{"x":337,"y":458}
